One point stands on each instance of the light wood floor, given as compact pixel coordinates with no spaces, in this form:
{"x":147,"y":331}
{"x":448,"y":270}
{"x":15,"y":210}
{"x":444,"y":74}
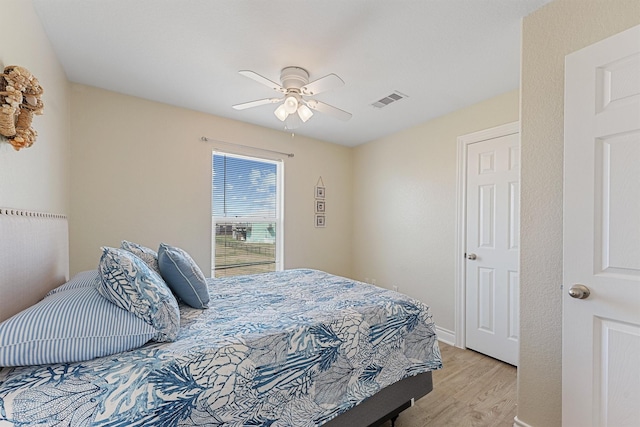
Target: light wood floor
{"x":472,"y":390}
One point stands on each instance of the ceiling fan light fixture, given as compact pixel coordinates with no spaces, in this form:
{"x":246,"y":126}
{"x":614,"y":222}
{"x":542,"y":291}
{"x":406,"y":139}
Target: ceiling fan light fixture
{"x":293,"y":122}
{"x":290,"y":104}
{"x":305,"y":113}
{"x":295,"y":85}
{"x":281,"y":112}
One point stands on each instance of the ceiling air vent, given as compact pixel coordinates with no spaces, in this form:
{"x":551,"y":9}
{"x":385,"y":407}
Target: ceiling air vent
{"x":389,"y":99}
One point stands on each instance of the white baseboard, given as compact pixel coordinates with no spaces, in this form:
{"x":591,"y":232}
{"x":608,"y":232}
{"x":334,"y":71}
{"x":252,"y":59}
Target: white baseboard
{"x":518,"y":423}
{"x":447,"y":337}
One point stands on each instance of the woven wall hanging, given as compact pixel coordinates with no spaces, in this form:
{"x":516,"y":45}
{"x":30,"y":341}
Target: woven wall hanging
{"x":20,"y":99}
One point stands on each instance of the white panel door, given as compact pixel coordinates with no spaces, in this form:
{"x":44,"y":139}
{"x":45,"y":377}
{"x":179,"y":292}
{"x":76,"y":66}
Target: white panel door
{"x":493,"y":217}
{"x":601,"y":333}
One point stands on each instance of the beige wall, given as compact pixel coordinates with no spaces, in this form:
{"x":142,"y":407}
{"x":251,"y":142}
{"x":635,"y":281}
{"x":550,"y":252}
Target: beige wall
{"x":548,"y":35}
{"x":405,"y":204}
{"x":140,"y":172}
{"x":36,"y":178}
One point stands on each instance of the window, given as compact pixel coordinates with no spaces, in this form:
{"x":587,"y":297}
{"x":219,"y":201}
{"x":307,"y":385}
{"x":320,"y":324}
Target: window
{"x":246,"y":215}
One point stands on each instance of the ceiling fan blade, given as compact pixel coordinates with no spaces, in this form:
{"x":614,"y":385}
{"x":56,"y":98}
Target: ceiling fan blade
{"x":265,"y":81}
{"x":323,"y":84}
{"x":256,"y":103}
{"x":329,"y":110}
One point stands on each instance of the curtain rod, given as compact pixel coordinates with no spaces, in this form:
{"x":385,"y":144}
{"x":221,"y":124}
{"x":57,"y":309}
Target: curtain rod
{"x":205,"y":139}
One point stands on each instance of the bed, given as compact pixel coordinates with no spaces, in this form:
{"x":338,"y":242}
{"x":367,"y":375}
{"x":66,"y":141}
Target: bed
{"x":294,"y":348}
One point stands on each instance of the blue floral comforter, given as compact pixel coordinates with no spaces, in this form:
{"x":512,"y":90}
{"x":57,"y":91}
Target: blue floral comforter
{"x":292,"y":348}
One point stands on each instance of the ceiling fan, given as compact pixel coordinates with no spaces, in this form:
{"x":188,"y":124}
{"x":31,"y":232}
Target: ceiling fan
{"x":297,"y":92}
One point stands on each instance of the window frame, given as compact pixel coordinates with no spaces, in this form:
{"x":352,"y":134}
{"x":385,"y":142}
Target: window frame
{"x":279,"y":220}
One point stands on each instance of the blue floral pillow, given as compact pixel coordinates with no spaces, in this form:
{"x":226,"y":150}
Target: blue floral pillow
{"x":149,"y":256}
{"x":130,"y":284}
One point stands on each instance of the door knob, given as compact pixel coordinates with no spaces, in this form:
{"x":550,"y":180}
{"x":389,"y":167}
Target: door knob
{"x":579,"y":292}
{"x":472,"y":256}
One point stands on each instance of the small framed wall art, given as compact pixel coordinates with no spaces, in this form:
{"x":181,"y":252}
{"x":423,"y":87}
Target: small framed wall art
{"x":320,"y":208}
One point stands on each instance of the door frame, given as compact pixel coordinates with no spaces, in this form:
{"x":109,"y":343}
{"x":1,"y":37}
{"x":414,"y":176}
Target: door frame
{"x":461,"y":220}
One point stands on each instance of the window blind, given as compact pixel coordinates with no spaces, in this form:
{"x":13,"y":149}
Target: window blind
{"x":243,"y":188}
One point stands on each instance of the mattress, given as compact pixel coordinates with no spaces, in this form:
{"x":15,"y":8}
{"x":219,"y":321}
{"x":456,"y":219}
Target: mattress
{"x":291,"y":348}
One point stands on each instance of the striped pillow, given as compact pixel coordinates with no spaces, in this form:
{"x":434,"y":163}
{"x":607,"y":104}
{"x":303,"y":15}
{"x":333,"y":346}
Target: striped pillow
{"x":85,"y":279}
{"x":70,"y":326}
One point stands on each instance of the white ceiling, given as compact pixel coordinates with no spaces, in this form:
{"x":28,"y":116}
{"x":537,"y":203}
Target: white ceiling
{"x":443,"y":54}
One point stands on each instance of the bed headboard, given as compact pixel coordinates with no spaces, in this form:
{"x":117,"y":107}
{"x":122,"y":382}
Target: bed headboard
{"x":34,"y":257}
